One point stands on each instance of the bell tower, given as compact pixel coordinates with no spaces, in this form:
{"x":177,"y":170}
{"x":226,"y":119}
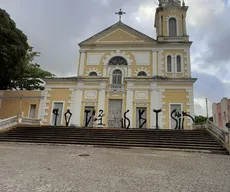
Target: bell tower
{"x":170,"y":21}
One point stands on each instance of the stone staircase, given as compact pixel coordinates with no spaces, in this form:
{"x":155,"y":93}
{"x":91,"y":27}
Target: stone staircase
{"x":186,"y":140}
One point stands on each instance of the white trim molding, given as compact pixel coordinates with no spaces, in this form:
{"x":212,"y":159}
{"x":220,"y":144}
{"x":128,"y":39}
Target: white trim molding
{"x":43,"y":105}
{"x":142,"y":69}
{"x":93,"y":70}
{"x":177,"y":23}
{"x":182,"y":63}
{"x":181,"y":104}
{"x":172,"y":63}
{"x":108,"y":57}
{"x":51,"y":112}
{"x":124,"y":72}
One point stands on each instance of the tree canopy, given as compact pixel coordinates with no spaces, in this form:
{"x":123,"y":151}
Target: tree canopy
{"x":200,"y":119}
{"x":17,"y":70}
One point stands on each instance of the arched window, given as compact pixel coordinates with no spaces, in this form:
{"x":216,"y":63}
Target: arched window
{"x":172,"y":27}
{"x":118,"y":61}
{"x":178,"y":64}
{"x":142,"y":73}
{"x":93,"y":73}
{"x":169,"y":64}
{"x":117,"y":77}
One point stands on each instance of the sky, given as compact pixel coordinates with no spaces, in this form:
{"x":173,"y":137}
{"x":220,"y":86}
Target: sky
{"x":55,"y":27}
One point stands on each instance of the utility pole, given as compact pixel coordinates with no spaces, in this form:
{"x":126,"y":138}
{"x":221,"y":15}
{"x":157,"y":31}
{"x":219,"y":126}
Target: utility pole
{"x":206,"y":106}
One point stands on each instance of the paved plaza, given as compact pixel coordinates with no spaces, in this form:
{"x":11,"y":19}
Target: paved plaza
{"x":45,"y":168}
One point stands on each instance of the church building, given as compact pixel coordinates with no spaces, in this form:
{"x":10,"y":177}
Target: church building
{"x":127,"y":79}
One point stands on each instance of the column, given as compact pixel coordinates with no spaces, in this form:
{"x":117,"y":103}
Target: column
{"x":82,"y":63}
{"x":101,"y":104}
{"x":190,"y":104}
{"x":159,"y":64}
{"x":160,"y":27}
{"x":174,"y":65}
{"x":129,"y":106}
{"x":154,"y":64}
{"x":155,"y":104}
{"x":188,"y":73}
{"x":184,"y":23}
{"x":76,"y":117}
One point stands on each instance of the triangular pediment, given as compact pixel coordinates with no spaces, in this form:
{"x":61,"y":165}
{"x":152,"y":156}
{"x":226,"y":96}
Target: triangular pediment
{"x":174,"y":5}
{"x":119,"y":33}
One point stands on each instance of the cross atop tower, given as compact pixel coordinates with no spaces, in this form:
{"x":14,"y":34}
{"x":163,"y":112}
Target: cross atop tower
{"x":120,"y":13}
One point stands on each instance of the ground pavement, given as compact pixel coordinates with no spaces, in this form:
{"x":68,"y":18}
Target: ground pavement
{"x":45,"y":168}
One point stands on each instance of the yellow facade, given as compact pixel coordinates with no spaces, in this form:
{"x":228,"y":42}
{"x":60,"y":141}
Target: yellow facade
{"x":14,"y":103}
{"x":124,"y":76}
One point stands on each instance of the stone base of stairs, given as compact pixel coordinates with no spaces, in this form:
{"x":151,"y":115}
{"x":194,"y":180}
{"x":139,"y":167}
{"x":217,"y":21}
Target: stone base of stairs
{"x":170,"y":140}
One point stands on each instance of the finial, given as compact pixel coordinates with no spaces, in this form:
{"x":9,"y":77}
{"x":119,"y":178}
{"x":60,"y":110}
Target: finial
{"x":183,"y":3}
{"x":120,"y":13}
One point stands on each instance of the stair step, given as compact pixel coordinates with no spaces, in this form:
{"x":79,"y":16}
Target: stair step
{"x":211,"y":141}
{"x":196,"y":140}
{"x":117,"y":144}
{"x":113,"y":136}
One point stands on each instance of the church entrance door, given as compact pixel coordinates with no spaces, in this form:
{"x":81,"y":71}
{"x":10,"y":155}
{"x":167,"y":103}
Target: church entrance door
{"x":115,"y":113}
{"x":141,"y":117}
{"x":173,"y":122}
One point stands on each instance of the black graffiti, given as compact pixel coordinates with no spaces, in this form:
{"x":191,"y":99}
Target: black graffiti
{"x":185,"y":114}
{"x":67,"y":119}
{"x":125,"y":120}
{"x":100,"y":117}
{"x":157,"y":116}
{"x":179,"y":118}
{"x":55,"y":112}
{"x":87,"y":117}
{"x":142,"y":121}
{"x":92,"y":117}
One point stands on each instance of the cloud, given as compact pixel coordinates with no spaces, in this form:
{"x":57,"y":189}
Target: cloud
{"x":210,"y":86}
{"x":55,"y":27}
{"x":209,"y":29}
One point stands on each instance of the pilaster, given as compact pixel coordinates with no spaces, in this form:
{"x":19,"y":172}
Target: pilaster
{"x":160,"y":62}
{"x":154,"y":64}
{"x":101,"y":100}
{"x":82,"y":63}
{"x":76,"y":118}
{"x":129,"y":103}
{"x":44,"y":105}
{"x":190,"y":105}
{"x":156,"y":103}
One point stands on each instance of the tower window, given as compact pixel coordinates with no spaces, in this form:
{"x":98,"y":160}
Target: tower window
{"x":172,"y":27}
{"x":118,"y":61}
{"x":93,"y":73}
{"x":142,"y":73}
{"x":178,"y":66}
{"x":169,"y":64}
{"x":117,"y":77}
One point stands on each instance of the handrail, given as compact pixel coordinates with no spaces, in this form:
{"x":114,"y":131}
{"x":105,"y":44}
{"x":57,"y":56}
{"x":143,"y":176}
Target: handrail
{"x":218,"y":133}
{"x":16,"y":120}
{"x":9,"y":122}
{"x":27,"y":120}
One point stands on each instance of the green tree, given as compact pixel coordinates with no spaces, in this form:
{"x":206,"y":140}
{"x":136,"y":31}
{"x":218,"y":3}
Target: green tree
{"x":200,"y":119}
{"x":16,"y":56}
{"x":32,"y":73}
{"x":13,"y":48}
